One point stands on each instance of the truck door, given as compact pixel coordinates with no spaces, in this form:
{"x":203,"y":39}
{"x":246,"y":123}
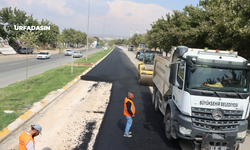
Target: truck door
{"x":177,"y":90}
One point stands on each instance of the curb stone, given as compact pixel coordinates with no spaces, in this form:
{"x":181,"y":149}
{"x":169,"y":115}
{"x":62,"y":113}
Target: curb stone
{"x":39,"y":106}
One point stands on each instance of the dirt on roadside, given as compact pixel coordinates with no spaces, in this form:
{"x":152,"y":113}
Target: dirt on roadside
{"x":72,"y":121}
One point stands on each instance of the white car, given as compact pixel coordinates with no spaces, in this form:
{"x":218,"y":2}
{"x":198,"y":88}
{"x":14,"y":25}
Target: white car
{"x":43,"y":55}
{"x":77,"y":54}
{"x":68,"y":52}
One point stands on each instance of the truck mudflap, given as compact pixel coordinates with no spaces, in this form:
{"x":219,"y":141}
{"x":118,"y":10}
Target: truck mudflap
{"x":217,"y":142}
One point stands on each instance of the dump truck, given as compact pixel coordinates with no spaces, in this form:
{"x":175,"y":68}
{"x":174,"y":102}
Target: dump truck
{"x":204,"y":96}
{"x":145,"y":68}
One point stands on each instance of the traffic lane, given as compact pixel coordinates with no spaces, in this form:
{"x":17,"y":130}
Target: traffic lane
{"x":32,"y":61}
{"x":147,"y":128}
{"x":14,"y":71}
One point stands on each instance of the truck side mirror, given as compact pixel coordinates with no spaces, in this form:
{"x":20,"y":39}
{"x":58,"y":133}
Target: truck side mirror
{"x":173,"y":73}
{"x":192,"y":65}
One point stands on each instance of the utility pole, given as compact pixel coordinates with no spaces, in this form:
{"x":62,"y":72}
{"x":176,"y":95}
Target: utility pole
{"x":87,"y":34}
{"x":103,"y":23}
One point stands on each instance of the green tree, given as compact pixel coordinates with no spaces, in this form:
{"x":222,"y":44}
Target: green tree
{"x":91,"y":39}
{"x":48,"y":36}
{"x":11,"y":18}
{"x":111,"y":43}
{"x":70,"y":36}
{"x":61,"y":47}
{"x":28,"y":39}
{"x":97,"y":38}
{"x":81,"y":37}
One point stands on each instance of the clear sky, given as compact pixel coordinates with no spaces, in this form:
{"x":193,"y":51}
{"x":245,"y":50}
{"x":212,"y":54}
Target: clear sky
{"x":121,"y":16}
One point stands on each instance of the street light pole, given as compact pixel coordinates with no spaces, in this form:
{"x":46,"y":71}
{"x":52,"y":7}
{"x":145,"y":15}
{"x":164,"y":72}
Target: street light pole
{"x":87,"y":35}
{"x":103,"y":23}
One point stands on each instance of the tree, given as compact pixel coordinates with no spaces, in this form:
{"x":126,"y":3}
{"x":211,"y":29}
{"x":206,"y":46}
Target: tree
{"x":111,"y":43}
{"x":61,"y":47}
{"x":28,"y":39}
{"x":81,"y":37}
{"x":97,"y":38}
{"x":91,"y":39}
{"x":9,"y":18}
{"x":48,"y":36}
{"x":133,"y":40}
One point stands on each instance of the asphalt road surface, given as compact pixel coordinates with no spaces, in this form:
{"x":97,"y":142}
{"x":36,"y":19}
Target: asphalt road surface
{"x":15,"y":70}
{"x":147,"y":128}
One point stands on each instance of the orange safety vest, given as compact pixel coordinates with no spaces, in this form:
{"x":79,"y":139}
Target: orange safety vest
{"x":24,"y":139}
{"x":125,"y":112}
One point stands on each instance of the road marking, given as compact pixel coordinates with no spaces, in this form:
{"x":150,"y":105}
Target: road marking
{"x":4,"y":132}
{"x":26,"y":115}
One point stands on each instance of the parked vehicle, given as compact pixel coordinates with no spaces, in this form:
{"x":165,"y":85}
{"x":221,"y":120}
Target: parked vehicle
{"x":130,"y":47}
{"x":138,"y":53}
{"x":43,"y":55}
{"x":77,"y":54}
{"x":141,"y":46}
{"x":23,"y":50}
{"x":204,"y":96}
{"x":145,"y":68}
{"x":68,"y":52}
{"x":98,"y":45}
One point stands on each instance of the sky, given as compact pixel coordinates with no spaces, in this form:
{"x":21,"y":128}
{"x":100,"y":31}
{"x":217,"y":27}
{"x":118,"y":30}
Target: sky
{"x":111,"y":17}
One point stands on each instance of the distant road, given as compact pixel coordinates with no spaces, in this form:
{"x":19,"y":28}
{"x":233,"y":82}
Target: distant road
{"x":15,"y":70}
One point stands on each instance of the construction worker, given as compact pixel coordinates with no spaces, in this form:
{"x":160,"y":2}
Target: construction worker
{"x":26,"y":139}
{"x":129,"y":112}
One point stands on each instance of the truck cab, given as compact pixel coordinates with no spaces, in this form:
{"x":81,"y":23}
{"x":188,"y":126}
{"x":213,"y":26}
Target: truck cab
{"x":204,"y":96}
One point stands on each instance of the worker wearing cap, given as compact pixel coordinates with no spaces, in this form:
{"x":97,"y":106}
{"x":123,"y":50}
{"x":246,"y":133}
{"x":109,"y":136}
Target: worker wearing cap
{"x":129,"y":112}
{"x":26,"y":139}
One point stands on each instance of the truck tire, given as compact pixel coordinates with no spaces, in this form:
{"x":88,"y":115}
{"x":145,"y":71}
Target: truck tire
{"x":153,"y":95}
{"x":156,"y":101}
{"x":168,"y":126}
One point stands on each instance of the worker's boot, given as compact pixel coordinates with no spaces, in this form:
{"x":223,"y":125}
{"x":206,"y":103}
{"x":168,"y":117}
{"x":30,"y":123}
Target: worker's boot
{"x":127,"y":135}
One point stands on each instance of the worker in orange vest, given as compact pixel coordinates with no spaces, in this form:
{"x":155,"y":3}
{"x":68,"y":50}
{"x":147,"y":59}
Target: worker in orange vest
{"x":26,"y":139}
{"x":129,"y":112}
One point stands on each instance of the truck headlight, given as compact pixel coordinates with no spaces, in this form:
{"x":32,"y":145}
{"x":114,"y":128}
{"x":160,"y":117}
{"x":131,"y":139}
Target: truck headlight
{"x":242,"y":134}
{"x":184,"y":130}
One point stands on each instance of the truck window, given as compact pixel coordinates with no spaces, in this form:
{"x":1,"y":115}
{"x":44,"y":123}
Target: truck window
{"x":219,"y":79}
{"x":180,"y":76}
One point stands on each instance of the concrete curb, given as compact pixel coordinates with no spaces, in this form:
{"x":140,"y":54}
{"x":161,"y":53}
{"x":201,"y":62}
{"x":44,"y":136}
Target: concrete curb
{"x":39,"y":106}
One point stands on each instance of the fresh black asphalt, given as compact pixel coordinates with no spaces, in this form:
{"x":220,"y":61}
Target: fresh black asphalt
{"x":147,"y":128}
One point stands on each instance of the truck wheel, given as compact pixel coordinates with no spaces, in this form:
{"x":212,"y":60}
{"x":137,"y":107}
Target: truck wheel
{"x":169,"y":129}
{"x":156,"y":101}
{"x":153,"y":95}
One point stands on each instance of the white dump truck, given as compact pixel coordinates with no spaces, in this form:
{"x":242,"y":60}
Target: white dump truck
{"x":204,"y":96}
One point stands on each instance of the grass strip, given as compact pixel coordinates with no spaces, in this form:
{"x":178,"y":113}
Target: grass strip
{"x":16,"y":98}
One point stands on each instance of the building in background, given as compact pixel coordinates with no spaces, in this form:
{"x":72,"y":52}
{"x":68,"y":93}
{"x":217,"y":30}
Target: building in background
{"x":137,"y":31}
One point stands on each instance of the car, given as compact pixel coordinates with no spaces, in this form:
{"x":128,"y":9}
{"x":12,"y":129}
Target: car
{"x":68,"y":52}
{"x":130,"y":47}
{"x":43,"y":55}
{"x":77,"y":54}
{"x":23,"y":50}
